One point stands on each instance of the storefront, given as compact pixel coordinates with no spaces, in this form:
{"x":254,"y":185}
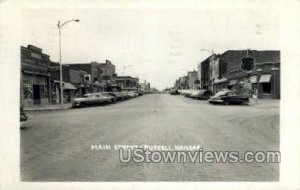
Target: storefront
{"x":68,"y":92}
{"x":35,"y":77}
{"x":35,"y":88}
{"x":268,"y":83}
{"x":220,"y":84}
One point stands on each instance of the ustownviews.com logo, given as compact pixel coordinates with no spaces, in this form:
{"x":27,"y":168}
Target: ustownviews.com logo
{"x":140,"y":155}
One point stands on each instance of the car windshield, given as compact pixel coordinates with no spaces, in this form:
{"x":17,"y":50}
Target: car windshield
{"x":87,"y":96}
{"x":100,"y":95}
{"x":200,"y":92}
{"x":222,"y":93}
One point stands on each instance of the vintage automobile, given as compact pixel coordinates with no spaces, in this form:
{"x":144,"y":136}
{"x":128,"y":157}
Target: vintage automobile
{"x":132,"y":94}
{"x":188,"y":93}
{"x":227,"y":97}
{"x":125,"y":95}
{"x":201,"y":94}
{"x":112,"y":95}
{"x":91,"y":99}
{"x":120,"y":95}
{"x":174,"y":92}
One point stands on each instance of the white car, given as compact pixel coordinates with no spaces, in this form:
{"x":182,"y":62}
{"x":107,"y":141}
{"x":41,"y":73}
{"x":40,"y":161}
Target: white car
{"x":91,"y":99}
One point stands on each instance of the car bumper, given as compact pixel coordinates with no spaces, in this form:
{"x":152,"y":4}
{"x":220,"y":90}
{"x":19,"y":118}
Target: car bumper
{"x":76,"y":104}
{"x":216,"y":101}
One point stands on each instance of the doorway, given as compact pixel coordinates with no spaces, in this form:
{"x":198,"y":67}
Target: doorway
{"x":36,"y":94}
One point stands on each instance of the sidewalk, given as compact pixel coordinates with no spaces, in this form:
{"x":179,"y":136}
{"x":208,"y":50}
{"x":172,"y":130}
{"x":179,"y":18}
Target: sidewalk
{"x":48,"y":107}
{"x":265,"y":103}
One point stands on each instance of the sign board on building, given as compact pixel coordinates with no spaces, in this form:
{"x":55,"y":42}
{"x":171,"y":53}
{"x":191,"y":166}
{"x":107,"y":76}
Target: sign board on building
{"x":35,"y":55}
{"x":247,"y":64}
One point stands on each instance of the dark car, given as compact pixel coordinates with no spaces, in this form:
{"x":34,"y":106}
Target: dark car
{"x":227,"y":97}
{"x":201,"y":94}
{"x":174,"y":92}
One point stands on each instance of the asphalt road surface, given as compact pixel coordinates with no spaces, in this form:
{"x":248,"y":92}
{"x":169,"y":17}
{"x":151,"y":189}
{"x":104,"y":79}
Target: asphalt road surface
{"x":56,"y":145}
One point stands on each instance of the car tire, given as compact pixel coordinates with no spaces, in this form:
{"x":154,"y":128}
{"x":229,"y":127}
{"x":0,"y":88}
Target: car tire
{"x":82,"y":105}
{"x":226,"y":103}
{"x":246,"y":103}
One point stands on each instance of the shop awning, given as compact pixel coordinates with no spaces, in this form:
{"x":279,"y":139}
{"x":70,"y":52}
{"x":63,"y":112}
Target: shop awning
{"x":232,"y":82}
{"x":253,"y":79}
{"x":68,"y":86}
{"x":220,"y":80}
{"x":265,"y":78}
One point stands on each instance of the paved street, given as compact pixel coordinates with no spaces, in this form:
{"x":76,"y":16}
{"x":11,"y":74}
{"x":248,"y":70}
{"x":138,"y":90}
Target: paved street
{"x":55,"y":146}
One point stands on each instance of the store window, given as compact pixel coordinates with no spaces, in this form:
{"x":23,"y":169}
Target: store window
{"x":266,"y":88}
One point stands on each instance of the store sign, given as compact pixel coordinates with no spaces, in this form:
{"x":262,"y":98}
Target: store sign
{"x":35,"y":55}
{"x":247,"y":64}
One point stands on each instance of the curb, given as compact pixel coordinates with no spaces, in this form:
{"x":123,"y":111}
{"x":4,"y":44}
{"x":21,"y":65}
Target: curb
{"x":46,"y":109}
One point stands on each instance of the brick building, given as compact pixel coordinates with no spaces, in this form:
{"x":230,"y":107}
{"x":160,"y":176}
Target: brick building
{"x":99,"y":77}
{"x":74,"y":84}
{"x":220,"y":71}
{"x":35,"y":76}
{"x":262,"y":82}
{"x":127,"y":83}
{"x":192,"y":79}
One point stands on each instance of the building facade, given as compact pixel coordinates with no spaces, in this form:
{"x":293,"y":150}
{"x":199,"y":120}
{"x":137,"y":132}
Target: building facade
{"x":99,"y":77}
{"x":35,"y":76}
{"x":127,"y":83}
{"x":192,"y":79}
{"x":205,"y":74}
{"x":145,"y":87}
{"x":225,"y":70}
{"x":73,"y":82}
{"x":183,"y":82}
{"x":263,"y":81}
{"x":108,"y":76}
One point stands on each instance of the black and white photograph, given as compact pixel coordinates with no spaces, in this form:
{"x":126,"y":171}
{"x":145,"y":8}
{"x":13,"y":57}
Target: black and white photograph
{"x":145,"y":91}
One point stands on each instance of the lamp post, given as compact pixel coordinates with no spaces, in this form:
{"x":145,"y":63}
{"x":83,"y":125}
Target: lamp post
{"x":59,"y":26}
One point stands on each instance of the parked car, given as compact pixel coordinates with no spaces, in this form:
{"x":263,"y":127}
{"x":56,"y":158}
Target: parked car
{"x":23,"y":116}
{"x":125,"y":95}
{"x":227,"y":97}
{"x":188,"y":93}
{"x":119,"y":95}
{"x":91,"y":99}
{"x":201,"y":94}
{"x":113,"y":96}
{"x":140,"y":93}
{"x":132,"y":94}
{"x":174,"y":92}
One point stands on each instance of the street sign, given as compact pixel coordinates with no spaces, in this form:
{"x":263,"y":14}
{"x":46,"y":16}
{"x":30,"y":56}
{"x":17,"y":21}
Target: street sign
{"x":247,"y":64}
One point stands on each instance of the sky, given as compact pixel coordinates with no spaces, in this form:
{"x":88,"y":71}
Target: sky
{"x":157,"y":45}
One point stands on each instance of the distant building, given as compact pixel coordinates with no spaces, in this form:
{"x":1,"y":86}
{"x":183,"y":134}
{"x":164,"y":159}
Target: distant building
{"x":145,"y":87}
{"x":108,"y":75}
{"x":192,"y":79}
{"x":199,"y":76}
{"x":35,"y":76}
{"x":205,"y":73}
{"x":73,"y":83}
{"x":100,"y":76}
{"x":220,"y":71}
{"x":127,"y":83}
{"x":183,"y":82}
{"x":177,"y":84}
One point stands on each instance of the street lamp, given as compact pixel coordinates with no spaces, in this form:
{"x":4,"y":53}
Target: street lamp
{"x":59,"y":26}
